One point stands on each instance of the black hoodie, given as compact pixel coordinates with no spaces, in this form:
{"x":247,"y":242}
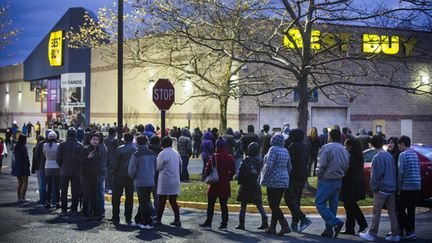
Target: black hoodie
{"x":299,"y":155}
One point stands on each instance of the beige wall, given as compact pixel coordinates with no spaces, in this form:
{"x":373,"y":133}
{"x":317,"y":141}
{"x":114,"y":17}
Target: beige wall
{"x":15,"y":106}
{"x":138,"y":105}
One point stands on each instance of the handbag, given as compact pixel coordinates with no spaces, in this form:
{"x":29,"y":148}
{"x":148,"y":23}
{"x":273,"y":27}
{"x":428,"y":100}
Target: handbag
{"x":213,"y":177}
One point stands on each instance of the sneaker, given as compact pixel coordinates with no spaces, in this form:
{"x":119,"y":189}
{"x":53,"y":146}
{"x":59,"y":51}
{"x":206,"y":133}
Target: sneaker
{"x":337,"y":228}
{"x":141,"y":226}
{"x":176,"y":223}
{"x":223,"y":227}
{"x":294,"y":227}
{"x":393,"y":238}
{"x":205,"y":225}
{"x":410,"y":236}
{"x":130,"y":223}
{"x":366,"y":236}
{"x":328,"y":234}
{"x":304,"y":223}
{"x":146,"y":226}
{"x":40,"y":206}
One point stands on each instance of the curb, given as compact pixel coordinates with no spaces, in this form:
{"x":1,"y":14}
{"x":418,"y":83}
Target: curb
{"x":249,"y":209}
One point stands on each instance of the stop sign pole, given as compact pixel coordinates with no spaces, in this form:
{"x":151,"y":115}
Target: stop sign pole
{"x":163,"y":97}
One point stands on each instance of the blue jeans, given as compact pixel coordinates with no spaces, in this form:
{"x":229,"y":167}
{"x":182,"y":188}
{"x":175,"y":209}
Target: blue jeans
{"x":40,"y":174}
{"x":237,"y":164}
{"x":328,"y":191}
{"x":101,"y":197}
{"x":184,"y":169}
{"x":53,"y":194}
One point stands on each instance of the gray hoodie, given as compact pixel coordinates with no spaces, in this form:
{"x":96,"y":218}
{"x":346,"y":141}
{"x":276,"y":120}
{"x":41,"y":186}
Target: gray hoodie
{"x":142,"y":167}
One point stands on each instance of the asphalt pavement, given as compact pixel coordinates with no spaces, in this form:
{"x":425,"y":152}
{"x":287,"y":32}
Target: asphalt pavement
{"x":25,"y":223}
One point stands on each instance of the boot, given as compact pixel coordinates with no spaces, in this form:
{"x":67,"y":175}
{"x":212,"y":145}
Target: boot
{"x":240,"y":226}
{"x":285,"y":229}
{"x":272,"y":228}
{"x":264,"y":224}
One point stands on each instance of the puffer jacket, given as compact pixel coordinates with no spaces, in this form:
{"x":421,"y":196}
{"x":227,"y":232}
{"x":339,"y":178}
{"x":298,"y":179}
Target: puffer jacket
{"x":249,"y":190}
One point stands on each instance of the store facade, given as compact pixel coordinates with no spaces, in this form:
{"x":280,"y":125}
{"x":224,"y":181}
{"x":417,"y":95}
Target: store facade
{"x":79,"y":85}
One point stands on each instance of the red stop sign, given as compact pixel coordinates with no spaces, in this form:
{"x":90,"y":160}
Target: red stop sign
{"x":163,"y":94}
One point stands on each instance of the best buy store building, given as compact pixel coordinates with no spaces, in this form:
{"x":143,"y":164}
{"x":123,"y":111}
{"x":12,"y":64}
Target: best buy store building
{"x":77,"y":85}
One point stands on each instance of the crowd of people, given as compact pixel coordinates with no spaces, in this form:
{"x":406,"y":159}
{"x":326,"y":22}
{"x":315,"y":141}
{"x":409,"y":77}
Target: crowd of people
{"x":151,"y":165}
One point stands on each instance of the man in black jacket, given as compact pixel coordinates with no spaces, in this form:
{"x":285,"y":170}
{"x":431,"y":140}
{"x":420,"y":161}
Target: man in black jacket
{"x":67,"y":158}
{"x":249,"y":138}
{"x":299,"y":156}
{"x":122,"y":181}
{"x":112,"y":143}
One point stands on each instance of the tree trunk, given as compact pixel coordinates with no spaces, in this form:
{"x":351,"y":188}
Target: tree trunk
{"x":302,"y":107}
{"x":223,"y":105}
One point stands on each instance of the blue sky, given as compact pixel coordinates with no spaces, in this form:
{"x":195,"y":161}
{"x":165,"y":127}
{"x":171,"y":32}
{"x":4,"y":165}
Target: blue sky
{"x":36,"y":18}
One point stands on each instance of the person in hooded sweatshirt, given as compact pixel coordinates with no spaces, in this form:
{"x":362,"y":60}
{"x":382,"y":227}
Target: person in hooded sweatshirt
{"x":275,"y":176}
{"x":67,"y":158}
{"x":207,"y":149}
{"x":184,"y":147}
{"x":299,"y":155}
{"x":249,"y":190}
{"x":224,"y":163}
{"x":149,"y":130}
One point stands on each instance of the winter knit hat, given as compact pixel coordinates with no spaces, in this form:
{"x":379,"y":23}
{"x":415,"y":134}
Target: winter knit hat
{"x":52,"y":135}
{"x":220,"y":143}
{"x":71,"y":132}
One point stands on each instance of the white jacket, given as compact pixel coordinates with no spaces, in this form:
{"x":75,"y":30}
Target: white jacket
{"x":168,"y":166}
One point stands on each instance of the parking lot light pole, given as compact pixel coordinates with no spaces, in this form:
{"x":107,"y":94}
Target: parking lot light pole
{"x":120,"y":69}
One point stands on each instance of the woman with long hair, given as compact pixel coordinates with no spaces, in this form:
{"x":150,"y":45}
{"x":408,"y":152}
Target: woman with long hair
{"x":52,"y":171}
{"x":313,"y":143}
{"x":21,"y":167}
{"x":353,"y":189}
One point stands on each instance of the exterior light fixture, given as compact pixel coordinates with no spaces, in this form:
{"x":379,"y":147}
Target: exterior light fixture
{"x":424,"y":79}
{"x":19,"y":91}
{"x":7,"y":93}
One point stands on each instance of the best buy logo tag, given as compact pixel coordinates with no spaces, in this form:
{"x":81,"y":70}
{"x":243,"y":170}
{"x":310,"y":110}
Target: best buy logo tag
{"x":55,"y":48}
{"x":371,"y":43}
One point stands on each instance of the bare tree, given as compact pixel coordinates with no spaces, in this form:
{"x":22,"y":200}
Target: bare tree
{"x":287,"y":45}
{"x":154,"y":42}
{"x":307,"y":45}
{"x":7,"y":33}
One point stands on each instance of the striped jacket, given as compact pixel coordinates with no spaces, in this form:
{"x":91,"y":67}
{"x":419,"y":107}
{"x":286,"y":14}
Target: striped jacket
{"x":409,"y":171}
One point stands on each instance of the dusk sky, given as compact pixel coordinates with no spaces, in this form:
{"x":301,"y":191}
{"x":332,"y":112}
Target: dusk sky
{"x":36,"y":18}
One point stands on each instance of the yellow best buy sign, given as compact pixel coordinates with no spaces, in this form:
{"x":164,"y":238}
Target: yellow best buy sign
{"x":371,"y":43}
{"x":55,"y":48}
